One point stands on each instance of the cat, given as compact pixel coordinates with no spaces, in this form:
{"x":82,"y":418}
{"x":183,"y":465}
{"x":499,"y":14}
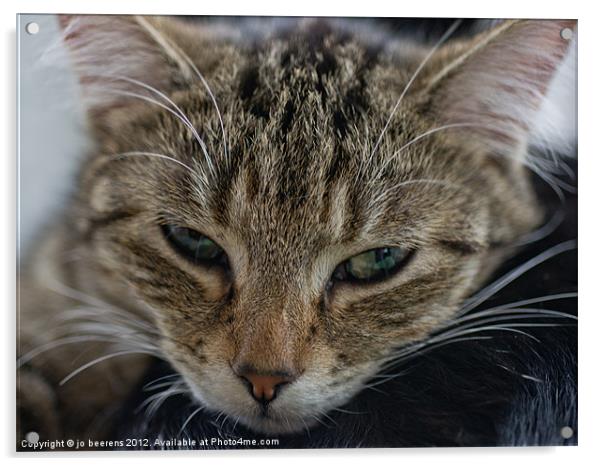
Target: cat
{"x":497,"y":387}
{"x":275,"y":215}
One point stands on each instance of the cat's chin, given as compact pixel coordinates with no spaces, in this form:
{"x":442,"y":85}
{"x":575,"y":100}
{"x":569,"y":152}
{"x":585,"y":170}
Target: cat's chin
{"x":277,"y":420}
{"x":274,"y":422}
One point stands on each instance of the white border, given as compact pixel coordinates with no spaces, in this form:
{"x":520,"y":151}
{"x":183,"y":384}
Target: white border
{"x":590,"y":107}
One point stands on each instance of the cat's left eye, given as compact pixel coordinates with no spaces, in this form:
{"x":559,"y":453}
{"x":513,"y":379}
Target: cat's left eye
{"x":373,"y":265}
{"x":194,"y":246}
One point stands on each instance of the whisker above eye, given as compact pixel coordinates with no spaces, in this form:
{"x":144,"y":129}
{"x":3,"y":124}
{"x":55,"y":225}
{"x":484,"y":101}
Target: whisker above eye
{"x":417,"y":139}
{"x":426,"y":59}
{"x":156,"y":155}
{"x":179,"y":52}
{"x":384,"y":194}
{"x":177,"y":111}
{"x":211,"y":96}
{"x":184,"y":120}
{"x":534,"y":164}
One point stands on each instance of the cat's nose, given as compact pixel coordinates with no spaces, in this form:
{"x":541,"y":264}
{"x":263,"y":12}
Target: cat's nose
{"x":265,"y":387}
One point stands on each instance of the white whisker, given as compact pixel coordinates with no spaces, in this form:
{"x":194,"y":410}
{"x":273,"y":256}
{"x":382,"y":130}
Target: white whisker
{"x":189,"y":418}
{"x":212,"y":96}
{"x":57,"y":343}
{"x":347,"y":411}
{"x":77,"y":295}
{"x":317,"y":418}
{"x":235,"y":423}
{"x":513,"y":313}
{"x":417,"y":349}
{"x":542,"y":232}
{"x":158,"y":400}
{"x":438,"y":340}
{"x":101,"y":359}
{"x":178,"y":110}
{"x":153,"y":154}
{"x":430,"y":343}
{"x":540,"y":299}
{"x":177,"y":51}
{"x":502,"y":282}
{"x":149,"y":386}
{"x":327,"y":416}
{"x":185,"y":121}
{"x":105,"y":324}
{"x":154,"y":402}
{"x":436,"y":47}
{"x":418,"y":138}
{"x":226,"y":418}
{"x":384,"y":194}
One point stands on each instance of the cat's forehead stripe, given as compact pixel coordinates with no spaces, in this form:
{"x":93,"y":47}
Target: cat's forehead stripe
{"x":295,"y":135}
{"x":279,"y":77}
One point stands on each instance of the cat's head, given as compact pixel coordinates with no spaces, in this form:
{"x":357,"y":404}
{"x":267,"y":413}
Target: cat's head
{"x":290,"y":220}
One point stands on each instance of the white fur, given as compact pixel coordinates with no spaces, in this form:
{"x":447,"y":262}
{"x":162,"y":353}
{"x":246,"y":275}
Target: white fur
{"x":503,"y":85}
{"x":555,"y":125}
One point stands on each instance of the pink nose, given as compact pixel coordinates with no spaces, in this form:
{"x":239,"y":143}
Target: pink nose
{"x":264,"y":388}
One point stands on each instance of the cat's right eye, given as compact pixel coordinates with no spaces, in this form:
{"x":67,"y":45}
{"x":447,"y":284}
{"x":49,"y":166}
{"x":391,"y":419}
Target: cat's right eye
{"x":194,"y":246}
{"x":372,"y":265}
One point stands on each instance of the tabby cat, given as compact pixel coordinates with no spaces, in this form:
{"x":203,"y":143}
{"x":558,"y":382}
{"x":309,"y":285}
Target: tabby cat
{"x":275,"y":214}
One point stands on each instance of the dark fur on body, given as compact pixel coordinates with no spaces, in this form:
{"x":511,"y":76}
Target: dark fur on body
{"x":305,"y":176}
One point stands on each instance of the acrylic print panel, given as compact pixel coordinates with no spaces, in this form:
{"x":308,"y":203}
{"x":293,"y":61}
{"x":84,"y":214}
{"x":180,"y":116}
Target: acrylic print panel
{"x":296,"y":233}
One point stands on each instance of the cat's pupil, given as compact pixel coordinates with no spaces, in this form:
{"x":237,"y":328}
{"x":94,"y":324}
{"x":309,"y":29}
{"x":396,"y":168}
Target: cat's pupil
{"x":193,"y":245}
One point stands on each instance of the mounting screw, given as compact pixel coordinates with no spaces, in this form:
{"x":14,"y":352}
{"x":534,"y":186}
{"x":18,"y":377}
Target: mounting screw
{"x":566,"y":33}
{"x":32,"y":28}
{"x":566,"y":432}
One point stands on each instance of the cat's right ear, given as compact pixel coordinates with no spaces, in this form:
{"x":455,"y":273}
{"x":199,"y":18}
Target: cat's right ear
{"x":120,"y":58}
{"x":510,"y":86}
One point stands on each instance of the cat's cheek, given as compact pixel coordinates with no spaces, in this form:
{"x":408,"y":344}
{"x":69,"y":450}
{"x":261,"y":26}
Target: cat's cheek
{"x":207,"y":374}
{"x":218,"y":389}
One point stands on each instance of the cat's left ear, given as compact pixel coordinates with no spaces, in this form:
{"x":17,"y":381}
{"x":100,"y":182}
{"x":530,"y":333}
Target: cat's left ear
{"x":513,"y":85}
{"x":119,"y":57}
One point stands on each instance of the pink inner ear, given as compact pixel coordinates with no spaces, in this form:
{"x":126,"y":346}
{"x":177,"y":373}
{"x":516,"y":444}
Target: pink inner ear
{"x":110,"y":53}
{"x":500,"y":86}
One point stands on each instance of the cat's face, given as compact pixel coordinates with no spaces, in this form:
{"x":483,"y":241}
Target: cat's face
{"x":288,"y":256}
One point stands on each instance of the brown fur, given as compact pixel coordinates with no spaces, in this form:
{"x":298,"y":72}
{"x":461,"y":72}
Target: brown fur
{"x":299,"y":190}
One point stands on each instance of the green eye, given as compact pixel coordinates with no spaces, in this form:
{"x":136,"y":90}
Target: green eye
{"x":372,"y":265}
{"x":194,"y":246}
